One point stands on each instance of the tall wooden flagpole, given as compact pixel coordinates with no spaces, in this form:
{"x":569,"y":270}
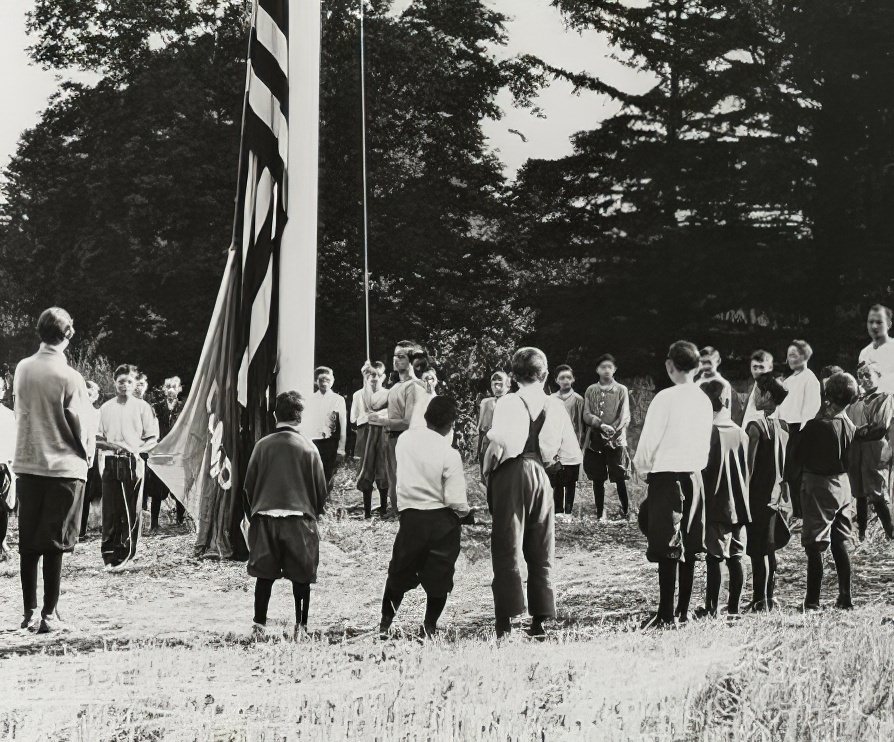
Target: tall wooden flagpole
{"x":298,"y":256}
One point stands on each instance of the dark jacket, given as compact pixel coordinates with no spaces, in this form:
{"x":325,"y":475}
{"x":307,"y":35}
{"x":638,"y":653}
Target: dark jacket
{"x":166,"y":416}
{"x":285,"y":472}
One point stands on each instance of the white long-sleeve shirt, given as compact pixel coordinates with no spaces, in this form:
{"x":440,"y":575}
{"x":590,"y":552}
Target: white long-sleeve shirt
{"x":804,"y":398}
{"x":429,"y":472}
{"x":676,"y":435}
{"x":512,"y":421}
{"x":883,"y":357}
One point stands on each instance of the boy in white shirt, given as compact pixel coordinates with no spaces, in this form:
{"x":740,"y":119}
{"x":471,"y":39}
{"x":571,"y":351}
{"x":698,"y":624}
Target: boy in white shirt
{"x":327,"y":423}
{"x":127,"y":429}
{"x":372,"y":445}
{"x":530,"y":432}
{"x":673,"y":449}
{"x":431,"y":498}
{"x":880,"y":350}
{"x":761,"y":363}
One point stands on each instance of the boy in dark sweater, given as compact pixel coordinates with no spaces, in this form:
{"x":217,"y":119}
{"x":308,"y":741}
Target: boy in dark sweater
{"x":726,"y":503}
{"x":286,"y":489}
{"x":821,"y":452}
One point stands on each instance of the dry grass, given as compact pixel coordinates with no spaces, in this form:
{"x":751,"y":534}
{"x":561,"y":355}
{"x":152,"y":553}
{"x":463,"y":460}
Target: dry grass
{"x":164,"y":652}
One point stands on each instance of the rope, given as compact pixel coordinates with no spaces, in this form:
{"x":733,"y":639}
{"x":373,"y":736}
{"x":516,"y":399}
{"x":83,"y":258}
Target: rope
{"x":363,"y":152}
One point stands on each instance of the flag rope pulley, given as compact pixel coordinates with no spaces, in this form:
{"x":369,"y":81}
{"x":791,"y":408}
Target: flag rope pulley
{"x":363,"y":158}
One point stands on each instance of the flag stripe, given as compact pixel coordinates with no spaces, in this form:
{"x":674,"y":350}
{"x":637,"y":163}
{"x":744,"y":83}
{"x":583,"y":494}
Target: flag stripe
{"x":272,"y":39}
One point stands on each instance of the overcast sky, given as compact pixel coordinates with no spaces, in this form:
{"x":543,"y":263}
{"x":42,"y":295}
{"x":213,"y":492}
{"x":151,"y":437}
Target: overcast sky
{"x":536,"y":28}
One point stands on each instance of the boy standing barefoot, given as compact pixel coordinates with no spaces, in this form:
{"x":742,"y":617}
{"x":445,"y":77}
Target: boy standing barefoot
{"x":673,"y":449}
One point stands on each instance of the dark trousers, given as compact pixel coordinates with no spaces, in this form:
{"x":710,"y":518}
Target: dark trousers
{"x":121,"y":518}
{"x":881,"y":509}
{"x":328,"y":448}
{"x":523,"y":528}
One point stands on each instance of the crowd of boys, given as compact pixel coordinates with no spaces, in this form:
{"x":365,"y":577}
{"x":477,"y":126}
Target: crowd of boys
{"x":806,"y":453}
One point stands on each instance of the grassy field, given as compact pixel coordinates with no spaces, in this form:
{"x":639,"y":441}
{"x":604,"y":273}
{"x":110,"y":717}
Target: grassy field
{"x":164,"y":651}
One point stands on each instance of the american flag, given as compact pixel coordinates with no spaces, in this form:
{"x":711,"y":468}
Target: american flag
{"x":231,"y":400}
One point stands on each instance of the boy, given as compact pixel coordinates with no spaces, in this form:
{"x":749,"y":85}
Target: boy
{"x":431,"y":498}
{"x":127,"y":428}
{"x":880,"y":349}
{"x":430,"y":381}
{"x":821,"y":453}
{"x":767,"y":445}
{"x":286,"y":489}
{"x":407,"y":401}
{"x":870,"y":462}
{"x":499,"y":386}
{"x":726,"y":504}
{"x":371,"y":442}
{"x":530,"y":430}
{"x":761,"y":363}
{"x":673,"y":449}
{"x":326,"y":423}
{"x":564,"y":480}
{"x":709,"y":362}
{"x":93,"y":488}
{"x":167,"y":412}
{"x":607,"y":416}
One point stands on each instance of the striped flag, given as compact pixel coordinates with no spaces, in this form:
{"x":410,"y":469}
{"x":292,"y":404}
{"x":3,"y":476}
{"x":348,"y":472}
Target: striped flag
{"x":231,"y":399}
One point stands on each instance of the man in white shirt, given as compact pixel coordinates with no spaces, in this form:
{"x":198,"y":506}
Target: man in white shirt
{"x":127,"y":429}
{"x":673,"y":449}
{"x":881,"y":350}
{"x":709,"y":363}
{"x":431,"y":498}
{"x":761,"y":363}
{"x":326,"y":422}
{"x":530,"y":431}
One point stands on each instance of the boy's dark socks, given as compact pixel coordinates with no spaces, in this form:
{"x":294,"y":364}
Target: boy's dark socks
{"x":687,"y":577}
{"x":367,"y":504}
{"x":301,"y":593}
{"x":884,"y":515}
{"x":843,"y":569}
{"x":814,"y":579}
{"x":623,"y":498}
{"x":599,"y":498}
{"x":736,"y":583}
{"x":434,"y":607}
{"x":263,"y":589}
{"x":667,"y":583}
{"x":712,"y":589}
{"x":569,"y":498}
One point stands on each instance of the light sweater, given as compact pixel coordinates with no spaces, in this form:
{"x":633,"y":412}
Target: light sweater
{"x":676,"y":435}
{"x":429,"y":472}
{"x":804,"y":398}
{"x":53,"y":433}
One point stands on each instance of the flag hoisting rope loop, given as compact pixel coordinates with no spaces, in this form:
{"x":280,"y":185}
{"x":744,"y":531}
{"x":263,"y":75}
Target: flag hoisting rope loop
{"x":363,"y":157}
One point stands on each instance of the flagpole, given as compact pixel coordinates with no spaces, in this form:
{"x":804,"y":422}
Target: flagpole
{"x":363,"y":157}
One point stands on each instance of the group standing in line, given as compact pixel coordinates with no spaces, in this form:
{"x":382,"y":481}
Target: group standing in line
{"x":713,"y":487}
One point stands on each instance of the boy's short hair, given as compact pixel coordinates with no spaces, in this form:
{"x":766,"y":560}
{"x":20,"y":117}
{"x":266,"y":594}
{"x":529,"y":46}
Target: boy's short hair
{"x":606,"y":357}
{"x":842,"y":390}
{"x":140,"y":376}
{"x":803,"y":348}
{"x":709,"y":351}
{"x":441,"y":412}
{"x":289,"y":406}
{"x":321,"y":370}
{"x":714,"y":389}
{"x":828,"y":372}
{"x":562,"y":369}
{"x":529,"y":364}
{"x":762,"y":356}
{"x":684,"y":356}
{"x":769,"y":384}
{"x":883,"y":309}
{"x":499,"y":375}
{"x":91,"y":385}
{"x":378,"y":367}
{"x":54,"y":325}
{"x":173,"y":380}
{"x":870,"y":367}
{"x":125,"y":369}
